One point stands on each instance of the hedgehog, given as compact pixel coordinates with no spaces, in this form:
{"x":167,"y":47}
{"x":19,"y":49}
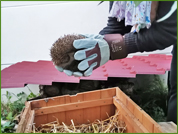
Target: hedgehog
{"x":62,"y":52}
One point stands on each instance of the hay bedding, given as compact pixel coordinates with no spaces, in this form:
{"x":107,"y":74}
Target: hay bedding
{"x":110,"y":125}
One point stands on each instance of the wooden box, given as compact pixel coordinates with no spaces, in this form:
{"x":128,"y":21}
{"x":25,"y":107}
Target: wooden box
{"x":88,"y":106}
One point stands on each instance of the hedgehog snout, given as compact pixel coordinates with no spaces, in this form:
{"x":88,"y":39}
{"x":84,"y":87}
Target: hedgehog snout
{"x":69,"y":60}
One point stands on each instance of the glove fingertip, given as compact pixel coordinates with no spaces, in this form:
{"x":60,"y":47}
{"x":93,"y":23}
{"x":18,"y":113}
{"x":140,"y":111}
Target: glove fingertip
{"x":79,"y":55}
{"x":60,"y":69}
{"x":77,"y":74}
{"x":68,"y":72}
{"x":83,"y":65}
{"x":90,"y":69}
{"x":87,"y":74}
{"x":75,"y":44}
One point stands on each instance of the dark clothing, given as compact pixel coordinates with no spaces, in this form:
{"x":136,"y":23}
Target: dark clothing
{"x":157,"y":37}
{"x":172,"y":102}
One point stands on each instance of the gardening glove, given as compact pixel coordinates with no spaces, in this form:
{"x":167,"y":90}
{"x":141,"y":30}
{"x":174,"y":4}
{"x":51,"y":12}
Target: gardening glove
{"x":69,"y":72}
{"x":66,"y":68}
{"x":89,"y":41}
{"x":97,"y":50}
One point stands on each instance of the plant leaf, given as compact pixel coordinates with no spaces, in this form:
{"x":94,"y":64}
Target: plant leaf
{"x":2,"y":129}
{"x":20,"y":94}
{"x":137,"y":3}
{"x":7,"y":124}
{"x":9,"y":116}
{"x":31,"y":95}
{"x":5,"y":112}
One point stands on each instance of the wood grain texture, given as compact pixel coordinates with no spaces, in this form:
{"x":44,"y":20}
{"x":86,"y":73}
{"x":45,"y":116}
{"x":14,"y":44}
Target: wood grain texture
{"x":30,"y":122}
{"x":108,"y":110}
{"x":73,"y":106}
{"x":128,"y":117}
{"x":87,"y":107}
{"x":42,"y":119}
{"x":75,"y":115}
{"x":24,"y":118}
{"x":92,"y":113}
{"x":54,"y":116}
{"x":139,"y":114}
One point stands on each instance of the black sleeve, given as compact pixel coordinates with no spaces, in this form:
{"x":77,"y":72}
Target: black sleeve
{"x":158,"y":36}
{"x":113,"y":26}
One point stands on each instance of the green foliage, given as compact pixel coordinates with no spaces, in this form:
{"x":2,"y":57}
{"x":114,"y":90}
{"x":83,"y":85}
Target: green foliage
{"x":137,"y":3}
{"x":9,"y":116}
{"x":7,"y":127}
{"x":153,"y":97}
{"x":31,"y":95}
{"x":11,"y":109}
{"x":159,"y":114}
{"x":4,"y":114}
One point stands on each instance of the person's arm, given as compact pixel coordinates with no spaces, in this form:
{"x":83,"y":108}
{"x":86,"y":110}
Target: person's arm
{"x":115,"y":27}
{"x":96,"y":50}
{"x":158,"y":36}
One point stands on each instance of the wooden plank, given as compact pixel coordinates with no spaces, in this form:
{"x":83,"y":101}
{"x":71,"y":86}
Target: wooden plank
{"x":22,"y":111}
{"x":121,"y":96}
{"x":129,"y":126}
{"x":120,"y":117}
{"x":49,"y":101}
{"x":30,"y":122}
{"x":38,"y":103}
{"x":75,"y":115}
{"x":168,"y":127}
{"x":130,"y":105}
{"x":129,"y":117}
{"x":150,"y":124}
{"x":108,"y":93}
{"x":72,"y":106}
{"x":92,"y":113}
{"x":24,"y":118}
{"x":54,"y":116}
{"x":41,"y":119}
{"x":46,"y":118}
{"x":124,"y":98}
{"x":118,"y":93}
{"x":138,"y":113}
{"x":67,"y":99}
{"x":92,"y":95}
{"x":107,"y":110}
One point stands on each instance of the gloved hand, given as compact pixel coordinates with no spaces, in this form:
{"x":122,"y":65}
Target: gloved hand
{"x":68,"y":71}
{"x":88,"y":43}
{"x":96,"y":50}
{"x":93,"y":52}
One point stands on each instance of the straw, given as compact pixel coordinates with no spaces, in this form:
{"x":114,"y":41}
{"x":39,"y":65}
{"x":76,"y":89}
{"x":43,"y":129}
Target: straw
{"x":110,"y":125}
